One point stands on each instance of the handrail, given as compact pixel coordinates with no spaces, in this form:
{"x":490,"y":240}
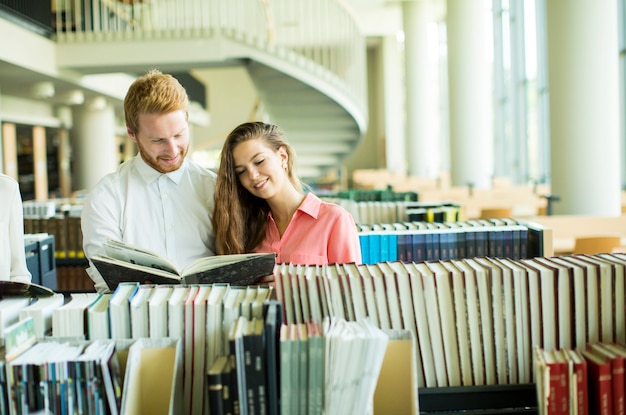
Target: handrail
{"x":322,"y":31}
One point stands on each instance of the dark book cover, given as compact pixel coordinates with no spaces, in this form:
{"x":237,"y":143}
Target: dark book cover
{"x":516,"y":232}
{"x":444,"y":245}
{"x":255,"y":363}
{"x":482,"y":248}
{"x":10,"y":288}
{"x":401,"y":247}
{"x":494,"y":243}
{"x":523,"y":243}
{"x":217,"y":388}
{"x":245,"y":270}
{"x":507,"y":243}
{"x":419,"y":249}
{"x":273,"y":320}
{"x":461,"y":245}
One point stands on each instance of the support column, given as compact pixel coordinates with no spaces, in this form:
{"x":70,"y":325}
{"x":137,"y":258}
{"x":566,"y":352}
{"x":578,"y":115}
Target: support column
{"x":421,"y":107}
{"x":393,"y":105}
{"x":40,"y":163}
{"x":584,"y":106}
{"x":94,"y":145}
{"x":470,"y":103}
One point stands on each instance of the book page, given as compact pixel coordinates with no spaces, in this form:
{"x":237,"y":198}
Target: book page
{"x":136,"y":255}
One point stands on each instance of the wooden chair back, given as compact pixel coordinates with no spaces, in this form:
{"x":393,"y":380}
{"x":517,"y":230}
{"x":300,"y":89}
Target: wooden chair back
{"x":488,"y":213}
{"x":592,"y":245}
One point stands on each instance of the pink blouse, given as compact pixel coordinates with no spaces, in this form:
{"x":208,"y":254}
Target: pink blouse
{"x":319,"y":233}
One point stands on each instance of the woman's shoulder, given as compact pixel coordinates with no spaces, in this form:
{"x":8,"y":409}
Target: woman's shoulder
{"x":331,"y":208}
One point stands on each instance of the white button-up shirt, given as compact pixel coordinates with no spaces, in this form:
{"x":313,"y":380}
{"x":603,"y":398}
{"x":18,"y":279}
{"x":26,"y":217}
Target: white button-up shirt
{"x":169,"y":214}
{"x":12,"y":256}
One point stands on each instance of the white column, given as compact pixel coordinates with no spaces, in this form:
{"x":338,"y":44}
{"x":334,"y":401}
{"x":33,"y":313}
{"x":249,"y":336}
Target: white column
{"x":584,"y":106}
{"x":421,"y":106}
{"x":470,"y":104}
{"x":94,"y":145}
{"x":393,"y":105}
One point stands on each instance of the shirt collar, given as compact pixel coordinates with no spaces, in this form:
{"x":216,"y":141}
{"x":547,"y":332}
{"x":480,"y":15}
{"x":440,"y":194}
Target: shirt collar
{"x":310,"y":205}
{"x":149,"y":174}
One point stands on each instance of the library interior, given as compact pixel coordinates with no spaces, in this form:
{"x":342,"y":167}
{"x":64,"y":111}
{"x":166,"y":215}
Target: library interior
{"x":479,"y":146}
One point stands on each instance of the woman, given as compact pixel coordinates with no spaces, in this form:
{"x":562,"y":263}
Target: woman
{"x":260,"y":205}
{"x":12,"y":255}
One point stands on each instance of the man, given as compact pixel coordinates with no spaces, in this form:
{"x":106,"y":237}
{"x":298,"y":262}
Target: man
{"x":159,"y":200}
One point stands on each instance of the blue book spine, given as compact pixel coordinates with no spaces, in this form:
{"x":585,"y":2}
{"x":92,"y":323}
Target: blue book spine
{"x":393,"y":247}
{"x":375,"y":248}
{"x":384,"y":247}
{"x":365,"y":248}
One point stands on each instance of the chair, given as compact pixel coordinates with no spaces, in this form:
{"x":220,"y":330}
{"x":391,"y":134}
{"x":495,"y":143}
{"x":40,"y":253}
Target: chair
{"x":488,"y":213}
{"x":596,"y":244}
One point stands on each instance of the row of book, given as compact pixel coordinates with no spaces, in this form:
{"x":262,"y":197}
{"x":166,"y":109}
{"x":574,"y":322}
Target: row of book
{"x":257,"y":365}
{"x":582,"y":381}
{"x":82,"y":376}
{"x":418,"y":241}
{"x":374,"y":195}
{"x":308,"y":369}
{"x":201,"y":317}
{"x":365,"y":213}
{"x":475,"y":321}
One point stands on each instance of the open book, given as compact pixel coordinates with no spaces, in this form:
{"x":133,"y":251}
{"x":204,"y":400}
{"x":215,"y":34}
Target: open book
{"x":122,"y":262}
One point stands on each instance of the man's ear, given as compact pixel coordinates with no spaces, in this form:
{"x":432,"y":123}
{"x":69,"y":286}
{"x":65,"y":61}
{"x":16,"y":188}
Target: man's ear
{"x":131,"y":134}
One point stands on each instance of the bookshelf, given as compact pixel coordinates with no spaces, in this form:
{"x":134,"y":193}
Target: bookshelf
{"x":479,"y":400}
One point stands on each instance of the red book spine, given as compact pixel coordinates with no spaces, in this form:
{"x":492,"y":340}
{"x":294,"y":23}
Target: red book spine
{"x":582,"y":393}
{"x":600,"y":384}
{"x":617,"y":366}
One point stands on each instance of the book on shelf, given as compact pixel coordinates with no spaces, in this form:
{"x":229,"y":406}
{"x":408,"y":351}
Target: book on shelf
{"x":617,"y":361}
{"x":70,"y":319}
{"x":396,"y":388}
{"x":315,"y":345}
{"x":288,"y":364}
{"x":153,"y":377}
{"x":273,"y":321}
{"x":217,"y":385}
{"x":138,"y":310}
{"x":580,"y":392}
{"x":214,"y":318}
{"x":251,"y":365}
{"x":351,"y":385}
{"x":98,"y":319}
{"x":600,"y":381}
{"x":41,"y":311}
{"x":176,"y":311}
{"x":199,"y":347}
{"x":119,"y":310}
{"x":187,"y":341}
{"x":122,"y":262}
{"x":157,"y":311}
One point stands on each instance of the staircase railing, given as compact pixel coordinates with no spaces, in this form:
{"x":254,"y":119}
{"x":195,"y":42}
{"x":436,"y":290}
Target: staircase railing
{"x":321,"y":33}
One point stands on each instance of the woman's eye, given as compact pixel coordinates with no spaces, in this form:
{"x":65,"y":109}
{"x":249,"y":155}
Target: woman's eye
{"x":258,"y":162}
{"x":239,"y":172}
